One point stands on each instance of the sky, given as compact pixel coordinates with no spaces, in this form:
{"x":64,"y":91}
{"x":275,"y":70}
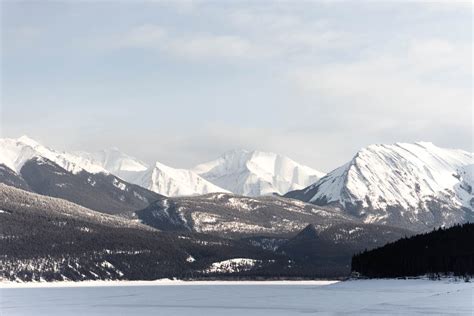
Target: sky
{"x":182,"y":82}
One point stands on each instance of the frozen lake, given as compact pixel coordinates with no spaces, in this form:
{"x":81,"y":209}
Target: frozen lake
{"x":362,"y":297}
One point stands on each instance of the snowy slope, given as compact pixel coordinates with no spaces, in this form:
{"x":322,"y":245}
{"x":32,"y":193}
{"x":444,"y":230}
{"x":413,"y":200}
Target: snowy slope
{"x":159,"y":178}
{"x":241,"y":172}
{"x":256,"y":173}
{"x":232,"y":216}
{"x":26,"y":164}
{"x":464,"y":189}
{"x":173,"y":182}
{"x":14,"y":153}
{"x":414,"y":182}
{"x":115,"y":161}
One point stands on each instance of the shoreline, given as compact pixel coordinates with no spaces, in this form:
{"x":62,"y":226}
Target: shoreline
{"x":161,"y":282}
{"x":178,"y":282}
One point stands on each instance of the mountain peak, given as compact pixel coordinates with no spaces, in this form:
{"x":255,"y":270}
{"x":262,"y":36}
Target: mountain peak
{"x":28,"y":141}
{"x":425,"y":144}
{"x":383,"y":182}
{"x":162,"y":166}
{"x":236,"y":151}
{"x":176,"y":182}
{"x":14,"y":153}
{"x":115,"y":161}
{"x":257,"y":172}
{"x":113,"y":149}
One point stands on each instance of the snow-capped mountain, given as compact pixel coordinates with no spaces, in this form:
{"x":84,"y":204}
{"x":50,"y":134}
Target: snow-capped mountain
{"x":405,"y":184}
{"x":172,"y":182}
{"x":240,"y":172}
{"x":158,"y":177}
{"x":115,"y":162}
{"x":26,"y":164}
{"x":15,"y":152}
{"x":256,"y":173}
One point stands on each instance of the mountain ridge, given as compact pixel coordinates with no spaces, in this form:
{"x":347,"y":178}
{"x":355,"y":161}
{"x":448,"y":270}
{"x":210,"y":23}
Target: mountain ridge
{"x":174,"y":182}
{"x":406,"y":182}
{"x":254,"y":173}
{"x":51,"y":239}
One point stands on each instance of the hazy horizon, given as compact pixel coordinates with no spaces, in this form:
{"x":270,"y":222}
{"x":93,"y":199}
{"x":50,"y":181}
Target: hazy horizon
{"x":183,"y":82}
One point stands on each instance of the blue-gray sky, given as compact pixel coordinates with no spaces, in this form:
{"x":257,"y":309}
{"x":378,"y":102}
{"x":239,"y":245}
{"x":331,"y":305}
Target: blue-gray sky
{"x":183,"y":81}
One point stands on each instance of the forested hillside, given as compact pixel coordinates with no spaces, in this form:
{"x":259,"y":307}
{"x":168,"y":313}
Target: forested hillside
{"x":45,"y":238}
{"x":440,"y":251}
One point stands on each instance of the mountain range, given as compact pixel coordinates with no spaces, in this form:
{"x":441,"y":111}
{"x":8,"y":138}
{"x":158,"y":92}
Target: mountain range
{"x":251,"y":173}
{"x":411,"y":185}
{"x":251,"y":206}
{"x":157,"y":177}
{"x":28,"y":165}
{"x":415,"y":186}
{"x":50,"y":239}
{"x":45,"y":239}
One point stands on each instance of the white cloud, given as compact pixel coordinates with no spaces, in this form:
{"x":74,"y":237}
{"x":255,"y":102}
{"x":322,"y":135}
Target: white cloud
{"x":247,"y":35}
{"x":445,"y":5}
{"x":289,"y":34}
{"x":22,"y":37}
{"x":404,"y":93}
{"x":209,"y":46}
{"x":147,"y":35}
{"x":439,"y":54}
{"x":188,"y":45}
{"x":262,"y":20}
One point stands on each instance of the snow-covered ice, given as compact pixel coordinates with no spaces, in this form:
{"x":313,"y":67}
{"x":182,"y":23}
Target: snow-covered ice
{"x":361,"y":297}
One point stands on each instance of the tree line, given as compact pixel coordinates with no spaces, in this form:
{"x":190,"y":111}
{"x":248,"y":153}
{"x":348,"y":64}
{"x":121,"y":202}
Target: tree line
{"x":442,"y":251}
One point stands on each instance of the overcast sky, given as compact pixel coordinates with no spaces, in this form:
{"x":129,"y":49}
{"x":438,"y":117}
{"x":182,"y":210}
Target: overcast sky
{"x":183,"y":82}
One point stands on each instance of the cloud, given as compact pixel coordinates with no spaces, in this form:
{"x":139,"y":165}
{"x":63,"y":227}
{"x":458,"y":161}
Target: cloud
{"x":286,"y":33}
{"x":396,"y":93}
{"x":438,"y":54}
{"x":147,"y":35}
{"x":249,"y":35}
{"x":210,"y":46}
{"x":188,"y":45}
{"x":22,"y":37}
{"x":445,"y":5}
